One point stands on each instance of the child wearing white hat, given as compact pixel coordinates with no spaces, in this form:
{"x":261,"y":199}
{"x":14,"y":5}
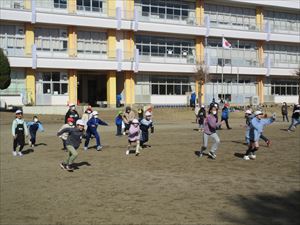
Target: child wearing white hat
{"x":146,"y":124}
{"x":19,"y":131}
{"x":134,"y":133}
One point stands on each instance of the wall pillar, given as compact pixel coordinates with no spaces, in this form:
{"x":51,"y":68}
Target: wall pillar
{"x":259,"y":18}
{"x":129,"y":86}
{"x":72,"y":6}
{"x":199,"y":12}
{"x":27,"y":4}
{"x":129,"y":14}
{"x":260,"y":88}
{"x":200,"y":49}
{"x":72,"y":41}
{"x":72,"y":86}
{"x":29,"y":38}
{"x":260,"y":49}
{"x":30,"y":86}
{"x":111,"y":89}
{"x":111,"y":8}
{"x":112,"y":43}
{"x":129,"y":45}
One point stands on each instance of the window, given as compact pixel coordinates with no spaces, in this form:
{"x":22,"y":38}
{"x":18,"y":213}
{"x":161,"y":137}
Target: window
{"x":53,"y":40}
{"x":91,"y":42}
{"x":62,"y":4}
{"x":90,"y":5}
{"x":166,"y":47}
{"x":55,"y":83}
{"x":170,"y":85}
{"x":284,"y":87}
{"x":17,"y":84}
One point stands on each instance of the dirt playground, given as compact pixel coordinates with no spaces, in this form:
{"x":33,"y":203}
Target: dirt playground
{"x":166,"y":184}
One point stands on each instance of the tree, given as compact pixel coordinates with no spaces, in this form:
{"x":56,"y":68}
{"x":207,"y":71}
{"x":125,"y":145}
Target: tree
{"x":201,"y":74}
{"x":4,"y":71}
{"x":297,"y":73}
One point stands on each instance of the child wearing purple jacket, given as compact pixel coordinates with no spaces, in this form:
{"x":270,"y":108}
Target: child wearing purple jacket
{"x":210,"y":127}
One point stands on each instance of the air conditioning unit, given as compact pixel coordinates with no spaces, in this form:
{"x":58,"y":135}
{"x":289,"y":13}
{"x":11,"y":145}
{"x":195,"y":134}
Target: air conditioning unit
{"x":254,"y":100}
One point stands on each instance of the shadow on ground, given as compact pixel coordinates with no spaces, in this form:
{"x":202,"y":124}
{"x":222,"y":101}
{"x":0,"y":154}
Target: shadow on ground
{"x":266,"y":209}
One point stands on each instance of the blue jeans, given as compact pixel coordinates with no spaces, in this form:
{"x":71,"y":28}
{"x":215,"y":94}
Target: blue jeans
{"x":88,"y":136}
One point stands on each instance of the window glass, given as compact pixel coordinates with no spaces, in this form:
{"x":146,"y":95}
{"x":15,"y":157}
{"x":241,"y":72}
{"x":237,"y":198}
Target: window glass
{"x":46,"y":88}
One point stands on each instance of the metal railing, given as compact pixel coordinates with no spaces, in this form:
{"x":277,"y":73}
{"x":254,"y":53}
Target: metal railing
{"x":13,"y":45}
{"x":283,"y":26}
{"x":232,"y":21}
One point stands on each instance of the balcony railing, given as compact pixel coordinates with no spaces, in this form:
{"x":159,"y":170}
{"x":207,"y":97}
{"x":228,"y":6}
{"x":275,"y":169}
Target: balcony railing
{"x":167,"y":58}
{"x":13,"y":45}
{"x":282,"y":26}
{"x":232,"y":21}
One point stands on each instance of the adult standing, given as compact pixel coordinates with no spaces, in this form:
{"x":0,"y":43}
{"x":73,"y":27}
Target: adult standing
{"x":128,"y":117}
{"x":284,"y":112}
{"x":72,"y":113}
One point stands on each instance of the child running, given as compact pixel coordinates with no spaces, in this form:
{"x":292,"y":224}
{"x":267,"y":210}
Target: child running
{"x":64,"y":136}
{"x":256,"y":127}
{"x":295,"y":118}
{"x":118,"y":122}
{"x":210,"y":127}
{"x":92,"y":126}
{"x":145,"y":124}
{"x":33,"y":127}
{"x":19,"y":131}
{"x":134,"y":137}
{"x":200,"y":117}
{"x":72,"y":143}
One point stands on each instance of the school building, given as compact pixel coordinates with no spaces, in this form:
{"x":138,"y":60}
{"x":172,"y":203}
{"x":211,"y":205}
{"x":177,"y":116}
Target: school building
{"x":89,"y":51}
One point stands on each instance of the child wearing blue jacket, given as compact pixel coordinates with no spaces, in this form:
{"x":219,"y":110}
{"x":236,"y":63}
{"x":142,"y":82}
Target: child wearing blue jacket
{"x":33,"y":127}
{"x":92,"y":125}
{"x":225,"y":115}
{"x":257,"y":125}
{"x":118,"y":122}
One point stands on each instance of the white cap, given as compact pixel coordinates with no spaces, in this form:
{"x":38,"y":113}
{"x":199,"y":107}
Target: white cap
{"x":248,"y":111}
{"x":135,"y":121}
{"x":216,"y":105}
{"x":258,"y":113}
{"x":19,"y":111}
{"x":95,"y":113}
{"x":148,"y":113}
{"x":80,"y":122}
{"x":202,"y":106}
{"x":71,"y":104}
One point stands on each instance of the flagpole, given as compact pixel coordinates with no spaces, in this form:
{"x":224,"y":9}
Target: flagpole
{"x":238,"y":70}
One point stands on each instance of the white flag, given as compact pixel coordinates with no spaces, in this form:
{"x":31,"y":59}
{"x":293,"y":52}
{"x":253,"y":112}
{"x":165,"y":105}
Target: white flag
{"x":225,"y":43}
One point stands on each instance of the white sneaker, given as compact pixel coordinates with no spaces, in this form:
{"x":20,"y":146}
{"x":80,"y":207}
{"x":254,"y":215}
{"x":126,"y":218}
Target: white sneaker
{"x":99,"y":148}
{"x":20,"y":154}
{"x":252,"y":157}
{"x":246,"y":157}
{"x":85,"y":148}
{"x":14,"y":153}
{"x":124,"y":133}
{"x":127,"y":152}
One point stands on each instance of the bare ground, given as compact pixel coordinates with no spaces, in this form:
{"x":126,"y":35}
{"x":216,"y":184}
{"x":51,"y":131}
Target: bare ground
{"x":166,"y":184}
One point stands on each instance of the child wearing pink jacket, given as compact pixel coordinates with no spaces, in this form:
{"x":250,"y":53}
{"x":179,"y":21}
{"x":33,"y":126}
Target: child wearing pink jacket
{"x":134,"y":137}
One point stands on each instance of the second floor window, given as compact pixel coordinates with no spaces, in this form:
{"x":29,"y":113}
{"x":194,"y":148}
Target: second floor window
{"x":91,"y":5}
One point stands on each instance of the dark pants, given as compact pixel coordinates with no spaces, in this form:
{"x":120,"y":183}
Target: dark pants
{"x":19,"y":140}
{"x":226,"y":121}
{"x":144,"y":137}
{"x":64,"y":144}
{"x":251,"y":150}
{"x":88,"y":136}
{"x":285,"y":116}
{"x":119,"y":129}
{"x":33,"y":137}
{"x":264,"y":138}
{"x":127,"y":126}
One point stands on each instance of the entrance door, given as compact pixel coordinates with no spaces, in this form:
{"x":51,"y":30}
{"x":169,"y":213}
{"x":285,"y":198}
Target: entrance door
{"x":92,"y":92}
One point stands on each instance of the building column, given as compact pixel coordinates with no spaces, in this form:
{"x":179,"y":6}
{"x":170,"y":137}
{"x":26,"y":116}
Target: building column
{"x":111,"y":87}
{"x":260,"y":88}
{"x":260,"y":49}
{"x":199,"y":49}
{"x":129,"y":86}
{"x":72,"y":6}
{"x":72,"y":86}
{"x":199,"y":12}
{"x":111,"y":8}
{"x":30,"y":86}
{"x":128,"y":45}
{"x":72,"y":41}
{"x":111,"y":43}
{"x":27,"y":4}
{"x":259,"y":18}
{"x":129,"y":7}
{"x":29,"y":38}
